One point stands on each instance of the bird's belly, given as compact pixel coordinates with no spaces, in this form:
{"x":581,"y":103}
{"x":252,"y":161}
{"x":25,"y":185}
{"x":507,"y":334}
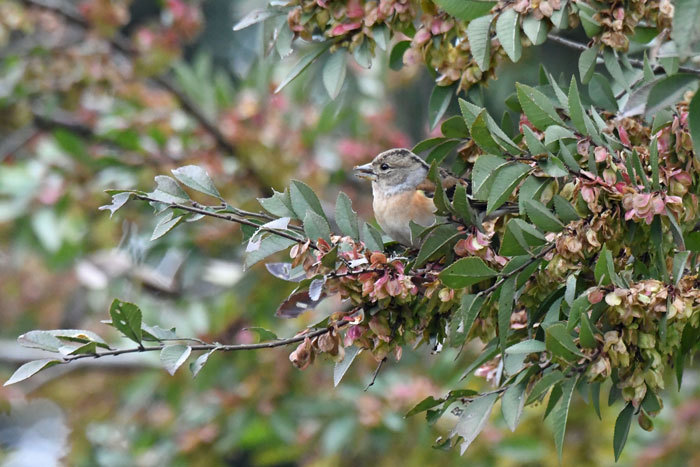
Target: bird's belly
{"x":395,"y":213}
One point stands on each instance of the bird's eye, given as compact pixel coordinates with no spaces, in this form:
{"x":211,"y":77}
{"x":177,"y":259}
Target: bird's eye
{"x":384,"y":166}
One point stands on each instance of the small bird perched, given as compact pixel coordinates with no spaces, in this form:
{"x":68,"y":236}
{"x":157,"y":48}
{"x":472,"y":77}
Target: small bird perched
{"x":401,"y":192}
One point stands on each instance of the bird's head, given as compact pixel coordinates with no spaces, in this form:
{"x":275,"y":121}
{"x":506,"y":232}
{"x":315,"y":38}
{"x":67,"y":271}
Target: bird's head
{"x":394,"y":171}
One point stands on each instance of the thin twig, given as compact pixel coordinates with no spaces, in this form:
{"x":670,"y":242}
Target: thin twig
{"x":376,"y":372}
{"x":633,"y":61}
{"x":505,"y":277}
{"x":217,"y":347}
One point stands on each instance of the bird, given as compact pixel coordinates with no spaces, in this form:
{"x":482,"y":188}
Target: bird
{"x":401,"y":192}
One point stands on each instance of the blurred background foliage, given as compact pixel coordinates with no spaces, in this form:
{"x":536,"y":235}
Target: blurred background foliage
{"x":106,"y":94}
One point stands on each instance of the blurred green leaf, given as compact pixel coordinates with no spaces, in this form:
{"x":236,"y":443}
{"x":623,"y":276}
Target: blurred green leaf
{"x":345,"y":217}
{"x":304,"y":63}
{"x":535,"y":29}
{"x":473,"y":420}
{"x":561,"y":414}
{"x":30,"y":369}
{"x":465,"y":10}
{"x":196,"y":178}
{"x":173,"y":356}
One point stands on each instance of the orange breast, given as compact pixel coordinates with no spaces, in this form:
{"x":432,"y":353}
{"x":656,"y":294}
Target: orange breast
{"x":394,"y":213}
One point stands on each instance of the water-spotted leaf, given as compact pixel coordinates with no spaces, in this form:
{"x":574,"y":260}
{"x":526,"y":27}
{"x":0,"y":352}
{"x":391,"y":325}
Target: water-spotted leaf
{"x":126,"y":318}
{"x":537,"y":107}
{"x":465,"y":272}
{"x":196,"y":178}
{"x":345,"y":217}
{"x":465,"y":10}
{"x":173,"y":356}
{"x":334,"y":72}
{"x":508,"y":34}
{"x":479,"y":36}
{"x":30,"y":369}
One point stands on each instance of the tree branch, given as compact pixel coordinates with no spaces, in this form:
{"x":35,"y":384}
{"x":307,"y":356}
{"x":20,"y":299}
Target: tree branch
{"x":633,"y":61}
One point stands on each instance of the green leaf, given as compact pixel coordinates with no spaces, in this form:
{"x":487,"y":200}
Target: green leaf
{"x":126,"y":318}
{"x":165,"y":225}
{"x":257,"y":16}
{"x":436,"y":243}
{"x":693,"y":123}
{"x":537,"y":107}
{"x":519,"y":238}
{"x":396,"y":55}
{"x":469,"y":308}
{"x":595,"y":397}
{"x":465,"y":272}
{"x":561,"y":413}
{"x":622,"y":429}
{"x":269,"y":245}
{"x":371,"y":238}
{"x":586,"y":64}
{"x":482,"y":175}
{"x":601,"y":93}
{"x":505,"y":310}
{"x":118,"y":200}
{"x":685,"y":22}
{"x":473,"y":420}
{"x":469,"y":111}
{"x":30,"y":369}
{"x":482,"y":135}
{"x":465,"y":10}
{"x":553,"y":166}
{"x":427,"y":403}
{"x":531,"y":188}
{"x":156,"y":333}
{"x":168,"y":191}
{"x":429,"y":143}
{"x":439,"y":154}
{"x":342,"y":367}
{"x":334,"y":72}
{"x":303,"y":64}
{"x":173,"y":356}
{"x":604,"y":267}
{"x":43,"y":340}
{"x":535,"y":29}
{"x":560,"y":17}
{"x":506,"y":179}
{"x":541,"y":386}
{"x":460,"y":204}
{"x":526,"y":347}
{"x":439,"y":102}
{"x":513,"y":401}
{"x":654,"y":163}
{"x":612,"y":64}
{"x":304,"y":199}
{"x":590,"y":25}
{"x":454,"y":127}
{"x":542,"y":217}
{"x":263,"y":334}
{"x":508,"y":34}
{"x":198,"y":364}
{"x":679,"y":262}
{"x":479,"y":36}
{"x":345,"y":217}
{"x":196,"y":178}
{"x":668,"y":91}
{"x":560,"y":343}
{"x":279,"y":204}
{"x":587,"y":334}
{"x":565,"y":210}
{"x":578,"y":308}
{"x":316,"y":227}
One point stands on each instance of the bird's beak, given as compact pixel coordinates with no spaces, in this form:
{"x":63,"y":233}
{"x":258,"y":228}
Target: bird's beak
{"x":365,"y":171}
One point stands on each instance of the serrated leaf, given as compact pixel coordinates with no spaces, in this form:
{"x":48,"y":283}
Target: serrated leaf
{"x":601,"y":92}
{"x":304,"y":199}
{"x":334,"y":72}
{"x":303,"y":64}
{"x":469,"y":308}
{"x":345,"y":217}
{"x":694,"y":123}
{"x":537,"y":107}
{"x":512,"y":403}
{"x":342,"y":367}
{"x":535,"y":29}
{"x":505,"y":310}
{"x":279,"y":204}
{"x":465,"y":272}
{"x":371,"y":238}
{"x":269,"y":245}
{"x":29,"y":369}
{"x":118,"y":200}
{"x":316,"y":227}
{"x":439,"y":154}
{"x":473,"y":420}
{"x":560,"y":343}
{"x":479,"y":36}
{"x":461,"y":205}
{"x":519,"y":238}
{"x":465,"y":10}
{"x":198,"y":364}
{"x":506,"y":179}
{"x":586,"y":333}
{"x":482,"y":135}
{"x":561,"y":414}
{"x":668,"y":91}
{"x":173,"y":356}
{"x":605,"y":267}
{"x":168,"y":191}
{"x":439,"y":102}
{"x":622,"y":429}
{"x":428,"y":144}
{"x":126,"y":318}
{"x":531,"y":188}
{"x":482,"y":175}
{"x":565,"y":210}
{"x":526,"y":347}
{"x":43,"y":340}
{"x":196,"y":178}
{"x":553,"y":166}
{"x":454,"y":127}
{"x":541,"y":386}
{"x":560,"y":17}
{"x":542,"y":217}
{"x":508,"y":34}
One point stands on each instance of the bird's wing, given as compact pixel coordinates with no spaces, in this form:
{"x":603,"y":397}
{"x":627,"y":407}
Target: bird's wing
{"x":449,"y":183}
